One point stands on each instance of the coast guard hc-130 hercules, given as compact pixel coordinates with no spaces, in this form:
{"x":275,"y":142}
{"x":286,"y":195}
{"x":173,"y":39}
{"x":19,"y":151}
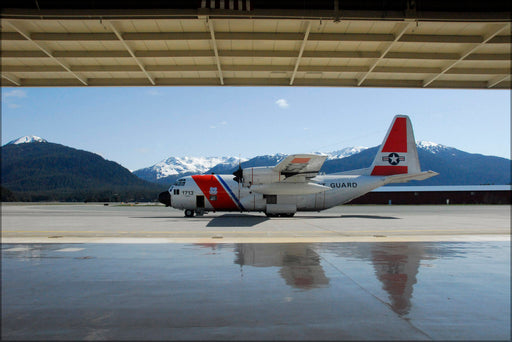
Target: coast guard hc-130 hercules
{"x":295,"y":185}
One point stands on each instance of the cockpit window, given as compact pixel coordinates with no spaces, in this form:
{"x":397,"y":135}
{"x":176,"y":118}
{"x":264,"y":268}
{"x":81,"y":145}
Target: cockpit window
{"x":180,"y":182}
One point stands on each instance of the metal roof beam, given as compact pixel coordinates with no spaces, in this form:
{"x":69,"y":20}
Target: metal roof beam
{"x":167,"y":36}
{"x":446,"y":56}
{"x":130,"y":51}
{"x":301,"y":51}
{"x":250,"y":67}
{"x":285,"y":36}
{"x":402,"y":27}
{"x":494,"y":31}
{"x":71,"y":37}
{"x":5,"y":36}
{"x":215,"y":50}
{"x":478,"y":71}
{"x":12,"y":79}
{"x":373,"y":12}
{"x":94,"y":54}
{"x":347,"y":37}
{"x":495,"y":81}
{"x":253,"y":81}
{"x":253,"y":53}
{"x":26,"y":35}
{"x":35,"y":68}
{"x":457,"y":39}
{"x":489,"y":57}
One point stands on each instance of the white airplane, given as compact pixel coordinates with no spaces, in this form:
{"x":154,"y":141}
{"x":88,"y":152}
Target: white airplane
{"x":295,"y":185}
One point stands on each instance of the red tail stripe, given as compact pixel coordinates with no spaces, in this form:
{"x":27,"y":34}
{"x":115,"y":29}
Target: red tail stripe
{"x":380,"y":170}
{"x":397,"y":138}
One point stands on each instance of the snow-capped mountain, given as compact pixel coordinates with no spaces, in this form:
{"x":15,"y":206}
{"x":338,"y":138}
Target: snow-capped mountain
{"x":345,"y":152}
{"x":348,"y":151}
{"x":27,"y":139}
{"x":175,"y":166}
{"x":430,"y":146}
{"x":170,"y":169}
{"x":452,"y":164}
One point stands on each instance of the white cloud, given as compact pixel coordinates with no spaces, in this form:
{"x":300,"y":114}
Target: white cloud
{"x":223,"y":123}
{"x":10,"y":97}
{"x":19,"y":93}
{"x":282,"y":103}
{"x":154,"y":92}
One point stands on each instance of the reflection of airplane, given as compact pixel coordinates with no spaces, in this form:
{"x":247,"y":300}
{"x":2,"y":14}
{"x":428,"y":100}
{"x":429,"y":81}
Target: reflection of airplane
{"x":299,"y":263}
{"x":294,"y":184}
{"x":396,"y":266}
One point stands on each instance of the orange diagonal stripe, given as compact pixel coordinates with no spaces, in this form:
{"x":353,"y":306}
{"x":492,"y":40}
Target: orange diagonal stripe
{"x":300,"y":160}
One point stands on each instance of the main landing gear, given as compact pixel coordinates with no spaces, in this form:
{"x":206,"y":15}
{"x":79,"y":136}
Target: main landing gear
{"x":280,"y":215}
{"x":190,"y":212}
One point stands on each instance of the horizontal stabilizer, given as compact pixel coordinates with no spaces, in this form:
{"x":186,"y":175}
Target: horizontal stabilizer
{"x":403,"y":178}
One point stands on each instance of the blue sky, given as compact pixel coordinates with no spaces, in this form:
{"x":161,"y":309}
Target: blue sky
{"x":140,"y":126}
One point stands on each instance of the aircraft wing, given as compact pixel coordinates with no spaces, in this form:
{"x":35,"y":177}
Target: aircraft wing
{"x":300,"y":166}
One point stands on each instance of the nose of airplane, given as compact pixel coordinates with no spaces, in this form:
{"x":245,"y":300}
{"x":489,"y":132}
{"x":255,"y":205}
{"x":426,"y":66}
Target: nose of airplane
{"x":165,"y":198}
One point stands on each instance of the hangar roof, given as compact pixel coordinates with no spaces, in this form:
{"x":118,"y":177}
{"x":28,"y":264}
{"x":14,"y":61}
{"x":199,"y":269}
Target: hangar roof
{"x":414,"y":44}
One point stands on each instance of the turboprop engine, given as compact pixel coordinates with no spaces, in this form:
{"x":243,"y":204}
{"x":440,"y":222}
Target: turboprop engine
{"x":261,"y":175}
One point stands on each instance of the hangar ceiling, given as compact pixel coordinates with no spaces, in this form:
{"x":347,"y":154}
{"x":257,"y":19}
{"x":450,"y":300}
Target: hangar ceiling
{"x":237,"y":43}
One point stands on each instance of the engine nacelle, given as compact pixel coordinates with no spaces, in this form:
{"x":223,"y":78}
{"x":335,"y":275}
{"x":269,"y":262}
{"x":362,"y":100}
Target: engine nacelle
{"x":261,"y":175}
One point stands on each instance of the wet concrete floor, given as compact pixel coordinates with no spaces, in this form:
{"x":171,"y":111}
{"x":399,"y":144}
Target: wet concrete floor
{"x":224,"y":291}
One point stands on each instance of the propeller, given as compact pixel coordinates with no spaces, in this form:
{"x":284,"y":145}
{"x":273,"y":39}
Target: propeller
{"x":239,"y":174}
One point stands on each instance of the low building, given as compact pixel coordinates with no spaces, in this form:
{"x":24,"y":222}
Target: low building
{"x":458,"y":194}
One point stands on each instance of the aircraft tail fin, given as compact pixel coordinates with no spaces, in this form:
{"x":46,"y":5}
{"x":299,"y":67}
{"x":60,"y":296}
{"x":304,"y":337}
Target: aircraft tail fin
{"x":397,"y":158}
{"x":398,"y":153}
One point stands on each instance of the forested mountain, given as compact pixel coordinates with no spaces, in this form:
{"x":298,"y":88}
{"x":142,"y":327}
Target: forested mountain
{"x":39,"y":170}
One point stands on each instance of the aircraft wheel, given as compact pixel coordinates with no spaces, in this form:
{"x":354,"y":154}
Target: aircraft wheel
{"x":189,"y":213}
{"x":270,"y":215}
{"x":287,"y":215}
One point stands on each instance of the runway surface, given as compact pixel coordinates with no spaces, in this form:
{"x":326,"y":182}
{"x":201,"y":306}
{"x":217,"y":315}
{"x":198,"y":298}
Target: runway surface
{"x":99,"y":223}
{"x":90,"y":272}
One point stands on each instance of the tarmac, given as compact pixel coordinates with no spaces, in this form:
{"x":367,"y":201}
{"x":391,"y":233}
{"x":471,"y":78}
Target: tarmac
{"x":96,"y":272}
{"x":354,"y":223}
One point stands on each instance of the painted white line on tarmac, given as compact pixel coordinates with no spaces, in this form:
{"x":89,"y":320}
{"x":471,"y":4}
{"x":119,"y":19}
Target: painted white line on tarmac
{"x":302,"y":239}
